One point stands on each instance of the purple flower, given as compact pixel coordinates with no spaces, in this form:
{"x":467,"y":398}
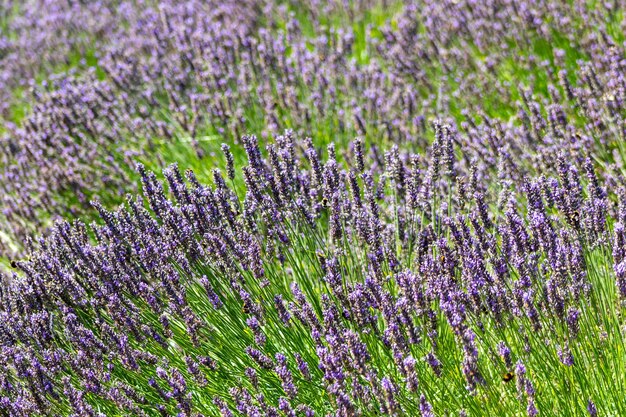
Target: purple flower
{"x":426,"y":409}
{"x":591,"y":409}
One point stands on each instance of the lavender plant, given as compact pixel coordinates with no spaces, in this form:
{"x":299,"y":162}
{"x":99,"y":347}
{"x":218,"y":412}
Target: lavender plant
{"x":464,"y":255}
{"x":176,"y":79}
{"x":320,"y":292}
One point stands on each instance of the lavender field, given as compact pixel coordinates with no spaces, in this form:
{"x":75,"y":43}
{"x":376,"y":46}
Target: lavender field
{"x":298,"y":208}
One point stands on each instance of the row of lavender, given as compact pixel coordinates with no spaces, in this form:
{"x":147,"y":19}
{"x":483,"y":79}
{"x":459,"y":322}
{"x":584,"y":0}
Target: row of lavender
{"x":377,"y":290}
{"x":193,"y":72}
{"x":483,"y":276}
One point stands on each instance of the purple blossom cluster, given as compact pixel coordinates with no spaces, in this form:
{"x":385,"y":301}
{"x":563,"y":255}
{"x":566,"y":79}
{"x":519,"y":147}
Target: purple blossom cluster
{"x":45,"y":36}
{"x":193,"y":71}
{"x":206,"y":294}
{"x":465,"y":254}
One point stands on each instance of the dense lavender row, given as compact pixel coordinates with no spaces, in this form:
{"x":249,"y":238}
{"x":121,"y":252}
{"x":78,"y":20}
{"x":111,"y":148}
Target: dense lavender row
{"x":464,"y":256}
{"x":374,"y":290}
{"x":192,"y":72}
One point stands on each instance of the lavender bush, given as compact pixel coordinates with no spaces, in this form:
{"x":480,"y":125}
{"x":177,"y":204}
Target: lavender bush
{"x":176,"y":79}
{"x":430,"y":220}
